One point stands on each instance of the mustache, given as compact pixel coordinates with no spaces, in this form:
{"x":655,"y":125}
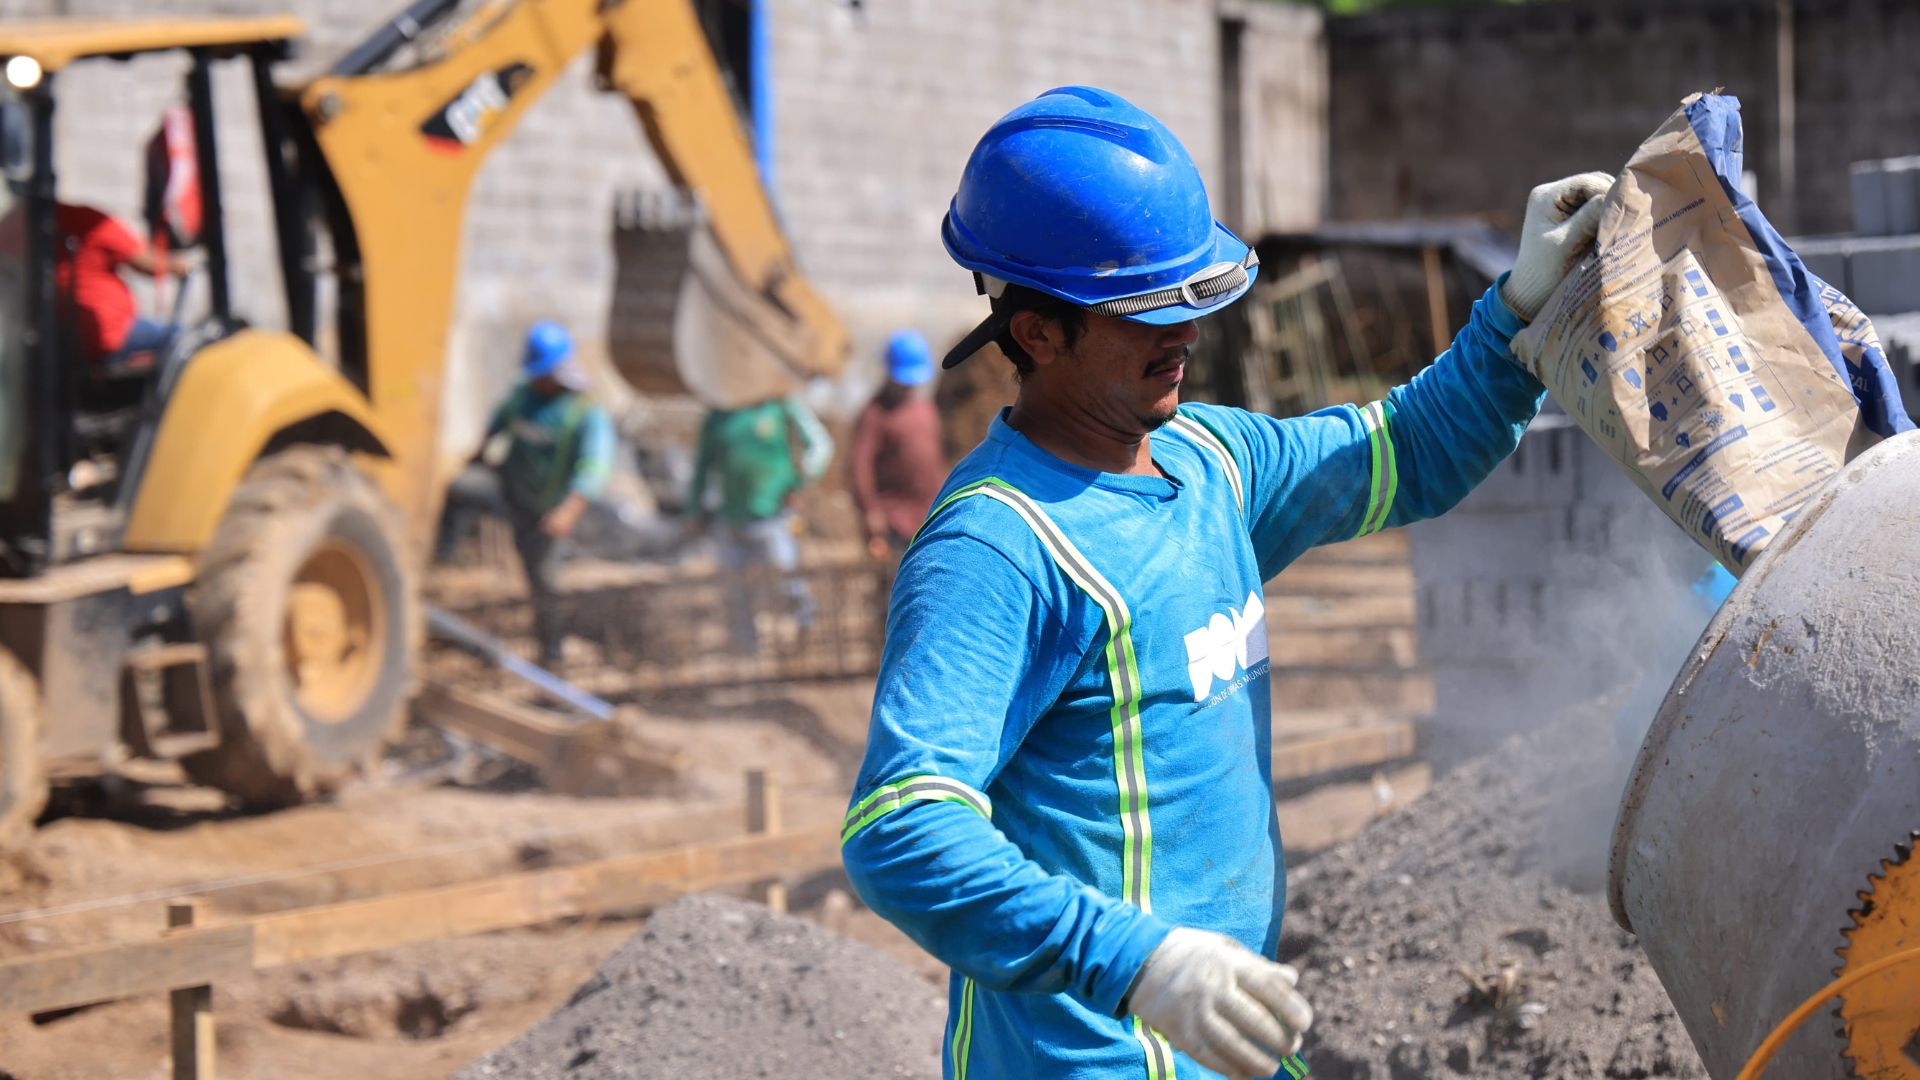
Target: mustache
{"x":1171,"y":358}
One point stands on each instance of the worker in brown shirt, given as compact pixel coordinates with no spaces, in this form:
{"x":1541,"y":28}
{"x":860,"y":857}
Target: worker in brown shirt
{"x":896,"y":460}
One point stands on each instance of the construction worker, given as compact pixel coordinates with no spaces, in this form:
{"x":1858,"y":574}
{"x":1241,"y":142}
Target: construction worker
{"x":896,"y":464}
{"x":761,"y":454}
{"x":558,"y":454}
{"x":1066,"y":794}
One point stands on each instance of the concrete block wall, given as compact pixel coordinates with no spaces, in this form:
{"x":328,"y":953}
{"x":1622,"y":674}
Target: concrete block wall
{"x":879,"y":105}
{"x":1857,"y":97}
{"x":1439,"y":112}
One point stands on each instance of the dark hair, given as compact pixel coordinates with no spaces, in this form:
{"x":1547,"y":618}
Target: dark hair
{"x":1071,"y":318}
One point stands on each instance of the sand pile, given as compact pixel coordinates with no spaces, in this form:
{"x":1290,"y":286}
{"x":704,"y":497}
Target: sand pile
{"x":719,"y":989}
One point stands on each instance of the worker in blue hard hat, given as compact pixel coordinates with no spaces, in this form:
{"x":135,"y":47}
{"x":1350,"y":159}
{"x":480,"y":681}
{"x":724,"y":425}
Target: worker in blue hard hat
{"x":558,"y":453}
{"x":896,"y":462}
{"x":1066,"y":794}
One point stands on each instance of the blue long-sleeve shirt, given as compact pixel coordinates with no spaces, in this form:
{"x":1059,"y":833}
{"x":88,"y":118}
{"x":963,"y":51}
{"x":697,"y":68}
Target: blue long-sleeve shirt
{"x":1070,"y":744}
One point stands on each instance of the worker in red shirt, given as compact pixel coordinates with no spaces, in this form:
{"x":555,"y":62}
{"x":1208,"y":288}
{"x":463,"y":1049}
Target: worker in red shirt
{"x":98,"y":308}
{"x":896,"y":460}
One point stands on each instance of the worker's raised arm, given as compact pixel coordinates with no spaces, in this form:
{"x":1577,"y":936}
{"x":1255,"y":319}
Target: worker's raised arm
{"x":1349,"y":470}
{"x":976,"y":652}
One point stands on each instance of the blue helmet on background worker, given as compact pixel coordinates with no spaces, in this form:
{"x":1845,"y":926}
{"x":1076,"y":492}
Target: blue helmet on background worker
{"x":548,"y":347}
{"x":909,"y":360}
{"x":1081,"y":195}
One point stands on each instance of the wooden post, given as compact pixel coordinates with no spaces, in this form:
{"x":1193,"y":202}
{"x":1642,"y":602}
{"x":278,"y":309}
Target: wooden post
{"x":1436,"y":299}
{"x":763,"y":816}
{"x":192,"y":1009}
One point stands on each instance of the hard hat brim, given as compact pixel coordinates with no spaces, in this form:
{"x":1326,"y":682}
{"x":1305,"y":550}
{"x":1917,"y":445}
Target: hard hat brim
{"x":1227,"y":248}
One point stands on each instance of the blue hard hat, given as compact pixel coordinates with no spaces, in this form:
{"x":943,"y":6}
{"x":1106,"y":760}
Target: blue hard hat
{"x":1081,"y":195}
{"x":909,"y":360}
{"x":548,"y":346}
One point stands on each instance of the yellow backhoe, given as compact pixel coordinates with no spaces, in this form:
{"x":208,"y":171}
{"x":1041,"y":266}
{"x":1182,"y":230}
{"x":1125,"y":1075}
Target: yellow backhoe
{"x":215,"y":557}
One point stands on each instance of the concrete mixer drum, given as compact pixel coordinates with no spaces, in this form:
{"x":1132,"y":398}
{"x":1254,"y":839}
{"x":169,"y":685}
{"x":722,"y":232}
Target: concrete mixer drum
{"x":1761,"y":831}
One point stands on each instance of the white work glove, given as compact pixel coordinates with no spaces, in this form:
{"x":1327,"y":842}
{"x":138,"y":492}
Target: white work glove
{"x":1227,"y":1008}
{"x":1562,"y":219}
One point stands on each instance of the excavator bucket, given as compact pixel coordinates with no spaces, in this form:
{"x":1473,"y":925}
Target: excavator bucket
{"x":683,"y":322}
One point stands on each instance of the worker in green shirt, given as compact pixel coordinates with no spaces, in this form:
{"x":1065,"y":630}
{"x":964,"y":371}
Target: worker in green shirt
{"x":559,"y":451}
{"x":760,"y":454}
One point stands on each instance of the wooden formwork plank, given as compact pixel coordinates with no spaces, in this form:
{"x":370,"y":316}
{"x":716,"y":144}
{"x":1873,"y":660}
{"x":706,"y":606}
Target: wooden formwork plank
{"x":1311,"y":723}
{"x":1381,"y":547}
{"x":1378,"y":609}
{"x":73,"y":977}
{"x":1402,"y":691}
{"x":1372,"y":745}
{"x":1343,"y":580}
{"x":571,"y":756}
{"x":1370,"y":647}
{"x":633,"y":881}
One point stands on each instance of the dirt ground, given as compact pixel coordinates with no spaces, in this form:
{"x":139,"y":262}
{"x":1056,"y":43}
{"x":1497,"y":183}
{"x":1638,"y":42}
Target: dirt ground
{"x":106,"y":870}
{"x":119,"y":848}
{"x":1468,"y":936}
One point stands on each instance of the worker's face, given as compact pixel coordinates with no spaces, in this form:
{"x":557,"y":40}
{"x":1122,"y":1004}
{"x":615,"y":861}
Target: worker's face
{"x":547,"y":386}
{"x":1121,"y":374}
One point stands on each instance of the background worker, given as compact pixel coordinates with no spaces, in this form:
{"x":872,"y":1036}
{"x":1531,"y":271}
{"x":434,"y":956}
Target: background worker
{"x":896,"y":464}
{"x":559,"y":451}
{"x":1066,"y":794}
{"x":760,"y":455}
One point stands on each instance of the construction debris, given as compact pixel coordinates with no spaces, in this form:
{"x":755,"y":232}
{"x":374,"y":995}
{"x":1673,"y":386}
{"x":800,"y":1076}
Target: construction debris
{"x":1495,"y":878}
{"x":720,"y":989}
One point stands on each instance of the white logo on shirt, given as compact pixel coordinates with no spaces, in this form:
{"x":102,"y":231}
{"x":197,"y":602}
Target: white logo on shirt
{"x":1230,"y":642}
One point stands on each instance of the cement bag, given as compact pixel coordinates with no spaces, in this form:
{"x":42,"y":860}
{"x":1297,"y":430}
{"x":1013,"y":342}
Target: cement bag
{"x":1727,"y":379}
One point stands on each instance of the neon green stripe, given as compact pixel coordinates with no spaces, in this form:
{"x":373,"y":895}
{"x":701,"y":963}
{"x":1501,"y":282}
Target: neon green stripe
{"x":971,"y":489}
{"x":963,"y":1031}
{"x":1159,"y":1052}
{"x":1373,"y":474}
{"x":1385,"y":477}
{"x":1204,"y":433}
{"x":1142,"y":895}
{"x":888,"y":798}
{"x":1393,"y":465}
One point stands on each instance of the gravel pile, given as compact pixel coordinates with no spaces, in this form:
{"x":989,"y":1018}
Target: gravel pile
{"x":1468,"y":935}
{"x":719,"y":989}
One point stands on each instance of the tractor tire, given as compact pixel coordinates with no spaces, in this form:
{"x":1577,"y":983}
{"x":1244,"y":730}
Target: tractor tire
{"x":310,"y":613}
{"x":23,"y":776}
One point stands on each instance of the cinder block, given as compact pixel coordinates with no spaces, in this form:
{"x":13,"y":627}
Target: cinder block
{"x":1902,"y":189}
{"x":1867,"y":181}
{"x":1884,"y":275}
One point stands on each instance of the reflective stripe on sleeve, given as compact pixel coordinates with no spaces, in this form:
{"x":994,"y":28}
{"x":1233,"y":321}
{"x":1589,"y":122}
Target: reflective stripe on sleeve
{"x":924,"y":788}
{"x":1383,"y":481}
